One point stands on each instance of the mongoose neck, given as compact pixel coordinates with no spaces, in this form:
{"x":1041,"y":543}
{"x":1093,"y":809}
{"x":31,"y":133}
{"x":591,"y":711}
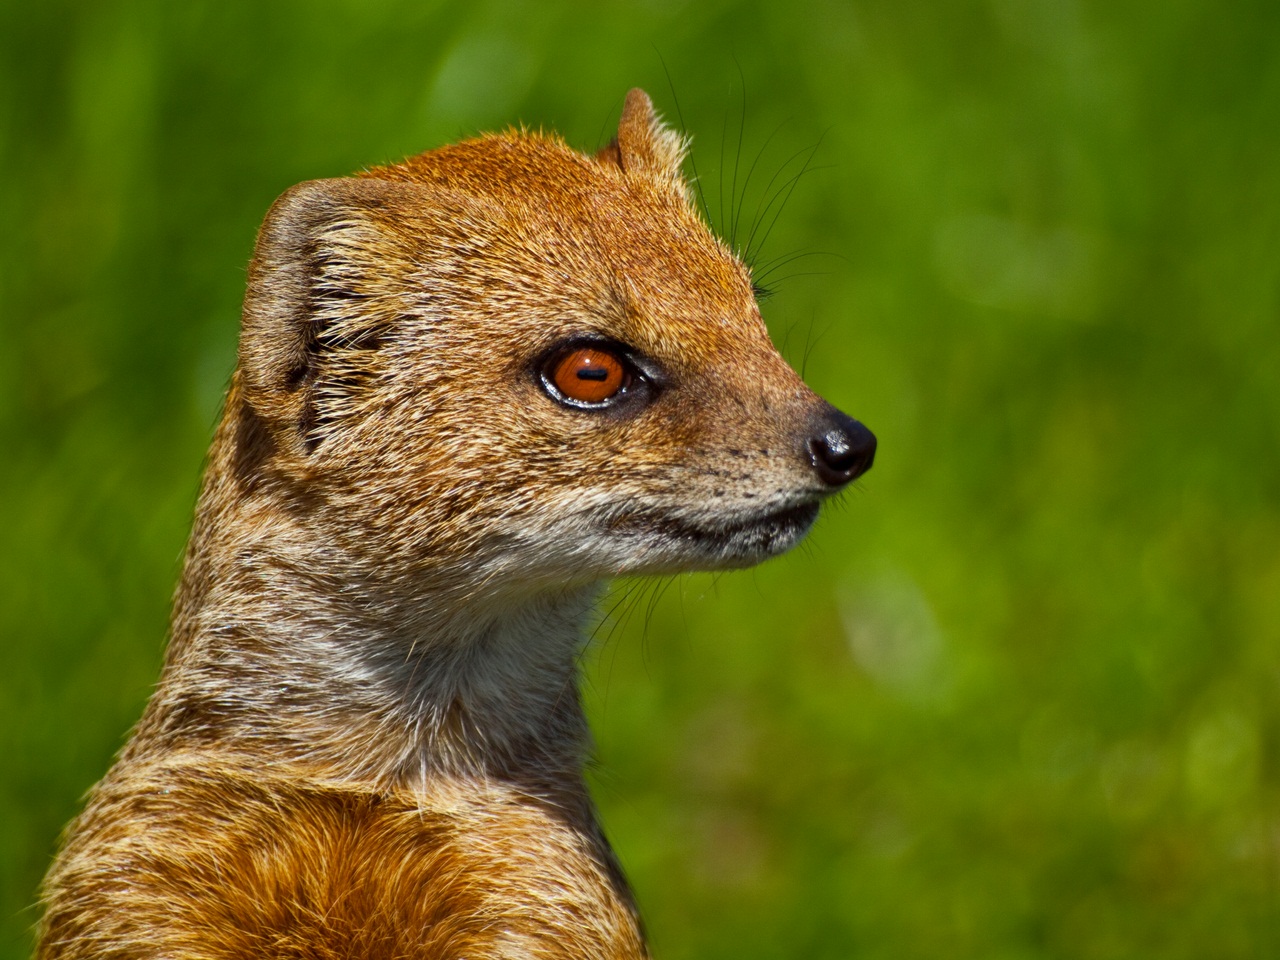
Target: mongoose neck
{"x":278,"y":653}
{"x":334,"y":689}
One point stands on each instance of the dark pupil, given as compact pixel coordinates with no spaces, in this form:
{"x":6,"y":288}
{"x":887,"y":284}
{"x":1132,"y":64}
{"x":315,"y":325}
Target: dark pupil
{"x":593,"y":373}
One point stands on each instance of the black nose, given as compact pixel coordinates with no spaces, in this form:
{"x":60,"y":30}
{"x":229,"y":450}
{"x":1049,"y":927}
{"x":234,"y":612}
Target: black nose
{"x":840,"y":448}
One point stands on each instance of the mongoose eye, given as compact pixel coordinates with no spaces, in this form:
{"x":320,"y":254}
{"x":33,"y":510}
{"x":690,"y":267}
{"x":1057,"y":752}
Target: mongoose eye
{"x":587,"y":376}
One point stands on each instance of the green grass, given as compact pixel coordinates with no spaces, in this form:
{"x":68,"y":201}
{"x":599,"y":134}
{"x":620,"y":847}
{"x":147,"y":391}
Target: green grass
{"x":1016,"y":698}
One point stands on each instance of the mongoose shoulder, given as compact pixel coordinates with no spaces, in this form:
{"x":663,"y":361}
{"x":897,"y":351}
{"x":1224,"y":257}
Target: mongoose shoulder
{"x":471,"y":387}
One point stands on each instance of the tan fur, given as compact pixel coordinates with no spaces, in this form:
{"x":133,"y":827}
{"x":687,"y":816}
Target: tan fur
{"x":367,"y":739}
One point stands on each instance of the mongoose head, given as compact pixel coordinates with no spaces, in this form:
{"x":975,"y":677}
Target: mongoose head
{"x":520,"y":365}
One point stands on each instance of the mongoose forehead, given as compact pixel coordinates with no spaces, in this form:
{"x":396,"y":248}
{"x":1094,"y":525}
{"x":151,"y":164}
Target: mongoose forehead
{"x":471,"y":386}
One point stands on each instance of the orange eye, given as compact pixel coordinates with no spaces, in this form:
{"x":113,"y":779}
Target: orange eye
{"x":590,"y":375}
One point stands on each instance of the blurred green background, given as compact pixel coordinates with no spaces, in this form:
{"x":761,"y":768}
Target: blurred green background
{"x":1017,"y":697}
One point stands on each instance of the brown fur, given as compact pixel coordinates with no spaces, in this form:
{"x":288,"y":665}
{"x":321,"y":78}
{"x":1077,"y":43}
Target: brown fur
{"x":367,"y":739}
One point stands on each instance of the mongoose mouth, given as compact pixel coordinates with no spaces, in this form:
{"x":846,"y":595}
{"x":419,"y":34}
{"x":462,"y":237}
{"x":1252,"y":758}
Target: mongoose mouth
{"x":740,"y":542}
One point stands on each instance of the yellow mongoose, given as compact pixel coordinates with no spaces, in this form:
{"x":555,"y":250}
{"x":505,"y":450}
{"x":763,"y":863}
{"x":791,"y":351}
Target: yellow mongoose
{"x":471,"y":387}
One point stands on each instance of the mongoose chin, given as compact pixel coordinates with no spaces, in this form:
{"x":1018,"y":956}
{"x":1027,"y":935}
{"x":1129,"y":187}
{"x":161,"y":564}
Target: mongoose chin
{"x":471,"y":387}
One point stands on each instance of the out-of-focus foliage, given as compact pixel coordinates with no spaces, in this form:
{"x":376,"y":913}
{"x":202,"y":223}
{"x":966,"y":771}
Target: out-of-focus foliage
{"x":1017,"y":698}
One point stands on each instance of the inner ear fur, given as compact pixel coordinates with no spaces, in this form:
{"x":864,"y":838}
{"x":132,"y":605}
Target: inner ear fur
{"x":645,"y":144}
{"x":308,"y":260}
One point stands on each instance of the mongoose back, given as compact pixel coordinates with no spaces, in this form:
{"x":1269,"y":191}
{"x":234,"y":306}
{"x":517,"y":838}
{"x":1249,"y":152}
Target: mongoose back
{"x":471,"y":387}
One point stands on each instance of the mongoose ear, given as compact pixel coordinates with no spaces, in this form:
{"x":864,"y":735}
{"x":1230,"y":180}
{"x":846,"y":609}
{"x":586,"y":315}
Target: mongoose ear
{"x":644,"y":143}
{"x":312,"y":268}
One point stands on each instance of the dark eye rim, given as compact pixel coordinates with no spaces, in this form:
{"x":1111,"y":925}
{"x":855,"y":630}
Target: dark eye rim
{"x":643,"y":377}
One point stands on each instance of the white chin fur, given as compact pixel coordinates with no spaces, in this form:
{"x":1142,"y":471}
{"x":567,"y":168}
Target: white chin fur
{"x":608,"y":539}
{"x":668,"y":545}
